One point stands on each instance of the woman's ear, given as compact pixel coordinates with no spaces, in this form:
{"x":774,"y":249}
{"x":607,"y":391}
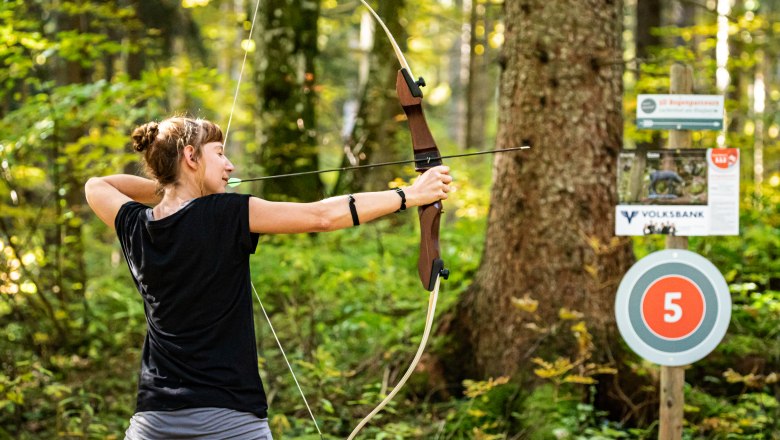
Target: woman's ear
{"x":189,"y":156}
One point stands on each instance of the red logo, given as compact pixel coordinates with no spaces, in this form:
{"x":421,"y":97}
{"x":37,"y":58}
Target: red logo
{"x":724,"y":157}
{"x":673,"y":307}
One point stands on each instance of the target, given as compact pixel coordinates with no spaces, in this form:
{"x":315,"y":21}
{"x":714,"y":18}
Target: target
{"x":673,"y":307}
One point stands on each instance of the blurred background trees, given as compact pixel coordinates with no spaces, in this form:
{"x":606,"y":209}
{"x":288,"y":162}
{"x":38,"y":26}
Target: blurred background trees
{"x":318,"y":92}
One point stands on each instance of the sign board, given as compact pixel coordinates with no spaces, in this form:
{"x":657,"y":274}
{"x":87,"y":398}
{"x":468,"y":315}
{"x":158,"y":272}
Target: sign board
{"x":679,"y":112}
{"x":693,"y":192}
{"x":673,"y":307}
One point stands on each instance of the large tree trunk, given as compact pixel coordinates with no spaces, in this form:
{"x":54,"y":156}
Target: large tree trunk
{"x":551,"y":227}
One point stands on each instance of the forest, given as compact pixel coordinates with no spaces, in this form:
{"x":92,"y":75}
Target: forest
{"x":524,"y":342}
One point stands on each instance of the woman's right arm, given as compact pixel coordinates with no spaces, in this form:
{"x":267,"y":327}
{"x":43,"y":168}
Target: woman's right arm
{"x":334,"y":213}
{"x":106,"y":195}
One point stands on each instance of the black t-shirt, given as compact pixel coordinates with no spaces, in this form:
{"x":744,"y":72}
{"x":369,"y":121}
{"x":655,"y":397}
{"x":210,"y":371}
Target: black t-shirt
{"x":192,"y":271}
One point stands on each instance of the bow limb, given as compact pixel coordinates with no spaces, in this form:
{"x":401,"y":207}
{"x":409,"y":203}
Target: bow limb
{"x":432,"y":298}
{"x":398,"y":53}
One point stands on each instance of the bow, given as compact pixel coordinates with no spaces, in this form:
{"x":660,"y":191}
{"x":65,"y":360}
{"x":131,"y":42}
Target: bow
{"x":430,"y":266}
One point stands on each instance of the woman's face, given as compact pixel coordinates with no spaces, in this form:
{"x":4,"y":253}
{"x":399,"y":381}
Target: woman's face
{"x":217,"y":168}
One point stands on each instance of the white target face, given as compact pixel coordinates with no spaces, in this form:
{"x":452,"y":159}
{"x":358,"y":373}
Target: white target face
{"x":673,"y":307}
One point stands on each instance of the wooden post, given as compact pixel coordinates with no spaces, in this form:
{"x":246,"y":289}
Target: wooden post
{"x":673,"y":378}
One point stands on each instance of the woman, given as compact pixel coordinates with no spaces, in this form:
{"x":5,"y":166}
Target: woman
{"x":189,"y":258}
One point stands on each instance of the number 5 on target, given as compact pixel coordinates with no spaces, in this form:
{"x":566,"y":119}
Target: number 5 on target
{"x":676,"y":310}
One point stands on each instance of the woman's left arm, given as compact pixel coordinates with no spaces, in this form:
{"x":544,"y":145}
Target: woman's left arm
{"x":106,"y":195}
{"x":335,"y":213}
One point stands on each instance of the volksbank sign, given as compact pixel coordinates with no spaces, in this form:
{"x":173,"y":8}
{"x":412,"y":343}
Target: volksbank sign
{"x":668,"y":214}
{"x":654,"y":219}
{"x":679,"y":112}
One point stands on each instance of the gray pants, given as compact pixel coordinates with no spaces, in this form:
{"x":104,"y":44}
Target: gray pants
{"x":197,"y":423}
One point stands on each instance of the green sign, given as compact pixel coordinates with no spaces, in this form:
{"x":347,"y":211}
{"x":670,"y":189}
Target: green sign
{"x":679,"y":112}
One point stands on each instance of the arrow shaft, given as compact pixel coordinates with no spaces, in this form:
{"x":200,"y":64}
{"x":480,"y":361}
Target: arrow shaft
{"x":381,"y":164}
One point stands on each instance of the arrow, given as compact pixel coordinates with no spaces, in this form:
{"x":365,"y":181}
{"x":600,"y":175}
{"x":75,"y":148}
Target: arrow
{"x":235,"y":181}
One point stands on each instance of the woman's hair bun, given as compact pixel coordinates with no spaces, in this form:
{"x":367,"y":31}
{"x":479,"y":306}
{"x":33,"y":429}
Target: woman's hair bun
{"x":144,"y":136}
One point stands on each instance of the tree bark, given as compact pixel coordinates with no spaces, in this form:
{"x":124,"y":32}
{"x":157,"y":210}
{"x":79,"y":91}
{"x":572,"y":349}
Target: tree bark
{"x":551,"y":225}
{"x":479,"y":90}
{"x":288,"y":98}
{"x":648,"y":18}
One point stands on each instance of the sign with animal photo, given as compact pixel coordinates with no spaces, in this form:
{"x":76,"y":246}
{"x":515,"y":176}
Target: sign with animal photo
{"x":682,"y":192}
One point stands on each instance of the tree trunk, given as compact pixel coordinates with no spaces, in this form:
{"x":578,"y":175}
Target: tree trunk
{"x":288,"y":98}
{"x":551,"y":225}
{"x":648,"y":18}
{"x":457,"y":75}
{"x":479,"y":88}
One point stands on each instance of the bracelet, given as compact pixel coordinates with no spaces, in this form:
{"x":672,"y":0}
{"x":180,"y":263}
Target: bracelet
{"x":403,"y":199}
{"x":353,"y":211}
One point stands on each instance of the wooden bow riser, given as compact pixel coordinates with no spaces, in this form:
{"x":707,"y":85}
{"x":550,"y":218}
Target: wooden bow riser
{"x":426,"y":155}
{"x":430,"y":264}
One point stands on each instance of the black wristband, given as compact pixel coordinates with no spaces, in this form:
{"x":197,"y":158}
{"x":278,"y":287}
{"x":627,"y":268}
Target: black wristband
{"x":353,"y":211}
{"x":403,"y":199}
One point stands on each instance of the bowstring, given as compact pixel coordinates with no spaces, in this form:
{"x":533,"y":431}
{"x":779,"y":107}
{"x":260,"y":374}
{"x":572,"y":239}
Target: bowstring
{"x":225,"y":141}
{"x":284,"y":355}
{"x":241,"y":72}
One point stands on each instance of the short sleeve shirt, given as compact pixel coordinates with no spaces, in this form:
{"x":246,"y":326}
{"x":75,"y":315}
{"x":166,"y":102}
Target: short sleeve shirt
{"x":192,"y":271}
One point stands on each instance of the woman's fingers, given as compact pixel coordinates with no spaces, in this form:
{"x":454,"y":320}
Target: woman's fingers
{"x":434,"y":184}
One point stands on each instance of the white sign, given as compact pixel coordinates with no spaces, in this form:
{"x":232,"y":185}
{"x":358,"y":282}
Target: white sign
{"x":662,"y":219}
{"x":723,"y":182}
{"x":679,"y":112}
{"x":673,"y":307}
{"x":678,"y":192}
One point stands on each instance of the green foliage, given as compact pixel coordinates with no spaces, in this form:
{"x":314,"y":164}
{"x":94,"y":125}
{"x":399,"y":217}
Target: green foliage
{"x":484,"y":413}
{"x":546,"y":416}
{"x":750,"y":415}
{"x":347,"y":305}
{"x":70,"y":327}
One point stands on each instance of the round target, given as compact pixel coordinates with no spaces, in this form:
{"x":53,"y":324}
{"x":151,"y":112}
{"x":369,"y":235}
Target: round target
{"x":673,"y":307}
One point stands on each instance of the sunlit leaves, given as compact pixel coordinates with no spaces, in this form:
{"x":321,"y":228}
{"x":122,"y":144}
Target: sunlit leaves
{"x":568,"y":315}
{"x":550,"y":370}
{"x":478,"y":388}
{"x":194,"y":3}
{"x":526,"y":304}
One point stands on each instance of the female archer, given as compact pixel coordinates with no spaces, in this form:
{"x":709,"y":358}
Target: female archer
{"x":189,"y":258}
